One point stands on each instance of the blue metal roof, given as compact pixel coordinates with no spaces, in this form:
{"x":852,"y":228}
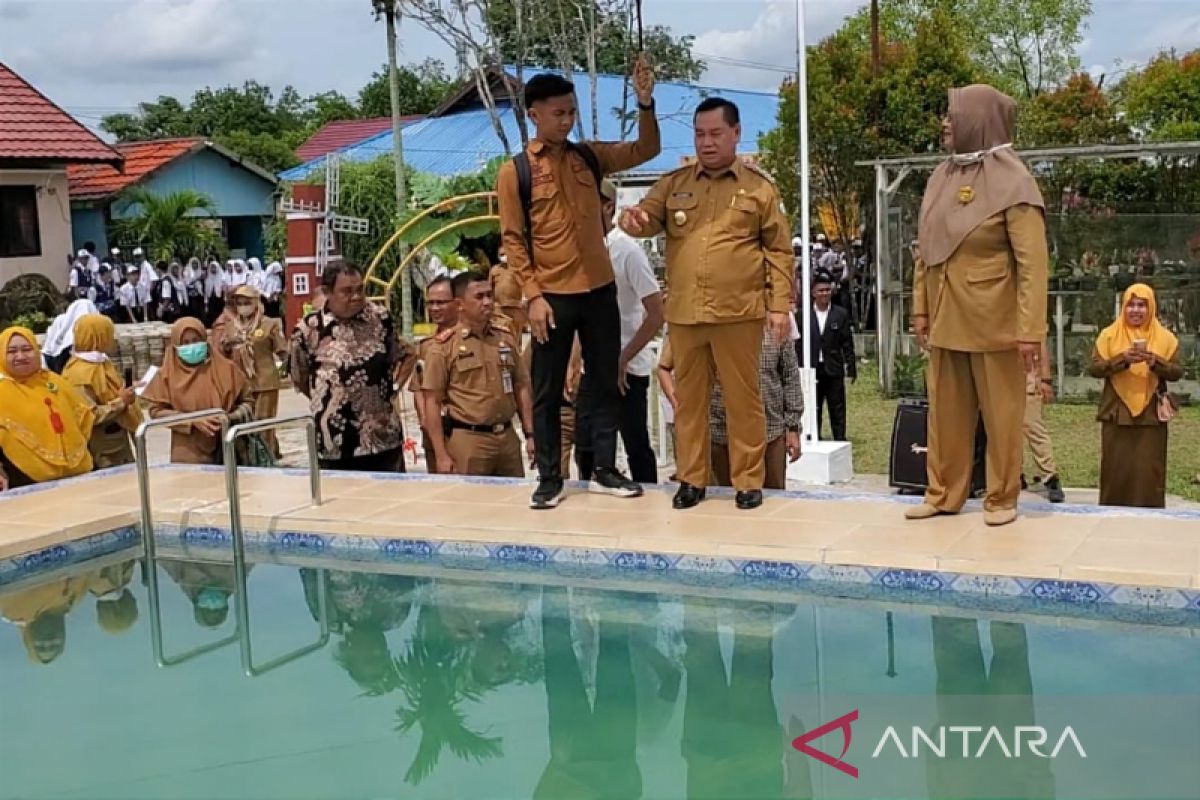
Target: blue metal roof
{"x":463,"y":141}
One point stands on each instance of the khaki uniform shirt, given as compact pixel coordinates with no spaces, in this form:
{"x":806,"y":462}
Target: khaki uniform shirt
{"x":476,"y":377}
{"x":729,"y":250}
{"x":570,"y":256}
{"x":506,"y":286}
{"x":415,"y":383}
{"x":991,"y":294}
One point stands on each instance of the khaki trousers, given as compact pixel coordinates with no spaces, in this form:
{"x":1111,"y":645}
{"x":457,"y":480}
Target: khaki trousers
{"x":775,"y":460}
{"x":729,"y":352}
{"x":1038,"y":438}
{"x":962,"y":386}
{"x":487,"y":454}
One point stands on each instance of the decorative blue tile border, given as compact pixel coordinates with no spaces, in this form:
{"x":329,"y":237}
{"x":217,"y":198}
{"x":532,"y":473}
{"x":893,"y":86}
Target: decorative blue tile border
{"x":1021,"y":595}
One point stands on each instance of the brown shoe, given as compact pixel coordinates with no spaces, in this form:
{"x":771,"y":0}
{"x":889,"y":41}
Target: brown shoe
{"x":1001,"y":516}
{"x":923,"y":511}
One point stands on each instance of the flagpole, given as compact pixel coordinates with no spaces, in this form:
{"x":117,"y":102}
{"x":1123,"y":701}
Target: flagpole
{"x":804,"y":301}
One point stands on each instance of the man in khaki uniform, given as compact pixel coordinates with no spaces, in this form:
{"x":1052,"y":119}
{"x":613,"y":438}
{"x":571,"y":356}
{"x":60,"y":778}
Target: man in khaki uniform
{"x":506,"y":285}
{"x":1039,"y":390}
{"x":475,"y":372}
{"x":979,"y":303}
{"x":729,"y":266}
{"x":443,"y":312}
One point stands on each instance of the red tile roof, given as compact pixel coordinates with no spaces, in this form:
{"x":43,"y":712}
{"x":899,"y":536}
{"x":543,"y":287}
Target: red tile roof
{"x":33,"y":128}
{"x":344,"y":132}
{"x":93,"y":181}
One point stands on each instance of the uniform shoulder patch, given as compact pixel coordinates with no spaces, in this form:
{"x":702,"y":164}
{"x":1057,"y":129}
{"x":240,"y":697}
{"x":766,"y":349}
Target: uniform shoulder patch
{"x":444,"y":336}
{"x":762,"y":173}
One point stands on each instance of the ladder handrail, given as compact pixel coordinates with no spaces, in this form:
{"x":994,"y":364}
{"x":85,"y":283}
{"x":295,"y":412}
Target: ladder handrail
{"x":149,"y":553}
{"x":242,"y":601}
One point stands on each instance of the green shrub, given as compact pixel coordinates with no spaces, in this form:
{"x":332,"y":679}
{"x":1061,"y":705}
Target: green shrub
{"x":35,"y":321}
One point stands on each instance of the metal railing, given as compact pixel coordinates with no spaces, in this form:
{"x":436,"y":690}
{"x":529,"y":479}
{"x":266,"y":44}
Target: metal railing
{"x":241,"y":634}
{"x":148,"y":545}
{"x":238,"y":534}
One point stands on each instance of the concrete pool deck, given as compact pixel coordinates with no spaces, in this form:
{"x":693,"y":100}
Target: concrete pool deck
{"x":1071,"y":553}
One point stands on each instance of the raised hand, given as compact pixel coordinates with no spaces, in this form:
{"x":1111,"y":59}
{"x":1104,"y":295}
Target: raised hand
{"x":643,"y":80}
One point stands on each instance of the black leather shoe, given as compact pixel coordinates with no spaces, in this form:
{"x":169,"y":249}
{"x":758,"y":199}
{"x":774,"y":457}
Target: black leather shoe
{"x":687,"y":496}
{"x":750,"y":499}
{"x":1054,"y":490}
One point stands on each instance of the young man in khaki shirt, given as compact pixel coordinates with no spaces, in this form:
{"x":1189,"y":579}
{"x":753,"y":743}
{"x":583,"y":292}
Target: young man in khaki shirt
{"x":565,"y":272}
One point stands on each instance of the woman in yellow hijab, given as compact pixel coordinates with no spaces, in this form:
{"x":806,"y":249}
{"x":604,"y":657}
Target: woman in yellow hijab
{"x":1136,"y":356}
{"x":44,"y":423}
{"x":113,"y":403}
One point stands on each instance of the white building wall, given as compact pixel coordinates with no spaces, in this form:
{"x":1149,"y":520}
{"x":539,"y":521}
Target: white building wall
{"x":54,"y":225}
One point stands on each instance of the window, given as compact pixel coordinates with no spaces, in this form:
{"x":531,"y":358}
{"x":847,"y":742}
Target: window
{"x":300,"y":285}
{"x":19,"y":233}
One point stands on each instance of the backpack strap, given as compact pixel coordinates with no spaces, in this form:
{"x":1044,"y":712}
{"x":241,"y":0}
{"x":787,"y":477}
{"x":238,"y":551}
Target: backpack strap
{"x":525,"y":191}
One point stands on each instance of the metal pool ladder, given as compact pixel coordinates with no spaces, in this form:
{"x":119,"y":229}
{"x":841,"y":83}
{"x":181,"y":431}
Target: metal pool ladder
{"x":241,"y":634}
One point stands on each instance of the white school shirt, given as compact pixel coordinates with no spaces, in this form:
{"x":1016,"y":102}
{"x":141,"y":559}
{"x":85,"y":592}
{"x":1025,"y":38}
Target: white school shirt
{"x":132,"y":296}
{"x":635,"y":282}
{"x":821,"y":317}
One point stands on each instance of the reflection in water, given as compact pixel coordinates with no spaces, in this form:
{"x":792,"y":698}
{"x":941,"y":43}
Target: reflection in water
{"x":362,"y":607}
{"x":208,"y":587}
{"x":40,"y":612}
{"x":116,"y":607}
{"x":593,"y":745}
{"x":972,"y":693}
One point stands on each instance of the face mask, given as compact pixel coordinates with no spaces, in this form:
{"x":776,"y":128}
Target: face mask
{"x":193,"y":354}
{"x":211,"y":599}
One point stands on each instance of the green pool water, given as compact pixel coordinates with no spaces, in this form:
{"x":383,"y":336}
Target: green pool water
{"x":438,"y":686}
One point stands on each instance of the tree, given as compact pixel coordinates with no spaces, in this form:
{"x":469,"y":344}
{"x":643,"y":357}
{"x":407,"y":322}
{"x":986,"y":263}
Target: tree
{"x":169,"y":226}
{"x":422,"y":87}
{"x":162,"y":119}
{"x":1024,"y":47}
{"x":1162,"y":100}
{"x":613,"y":38}
{"x":1078,"y":113}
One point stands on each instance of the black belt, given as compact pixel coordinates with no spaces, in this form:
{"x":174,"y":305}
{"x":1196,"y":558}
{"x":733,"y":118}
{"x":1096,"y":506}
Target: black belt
{"x":499,"y":427}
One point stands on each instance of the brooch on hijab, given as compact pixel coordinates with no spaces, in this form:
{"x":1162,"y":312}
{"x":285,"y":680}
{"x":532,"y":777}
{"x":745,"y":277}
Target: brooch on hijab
{"x":259,"y":333}
{"x":965,"y":194}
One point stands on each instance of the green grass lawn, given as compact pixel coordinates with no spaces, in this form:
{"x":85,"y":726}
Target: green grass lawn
{"x":1073,"y":429}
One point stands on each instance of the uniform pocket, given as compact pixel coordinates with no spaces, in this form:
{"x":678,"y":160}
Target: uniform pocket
{"x":466,"y":365}
{"x":743,"y":215}
{"x":993,"y":272}
{"x":681,"y":212}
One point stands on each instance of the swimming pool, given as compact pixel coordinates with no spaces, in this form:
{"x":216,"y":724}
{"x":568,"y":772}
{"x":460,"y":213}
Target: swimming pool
{"x":431,"y":682}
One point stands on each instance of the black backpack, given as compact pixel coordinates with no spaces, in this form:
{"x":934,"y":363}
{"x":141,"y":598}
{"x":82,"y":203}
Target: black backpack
{"x":525,"y":183}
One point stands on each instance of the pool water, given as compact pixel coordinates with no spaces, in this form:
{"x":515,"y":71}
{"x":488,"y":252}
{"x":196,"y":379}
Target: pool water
{"x":443,"y":686}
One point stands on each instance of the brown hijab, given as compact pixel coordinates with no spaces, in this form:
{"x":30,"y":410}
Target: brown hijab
{"x":216,"y":383}
{"x":982,"y":178}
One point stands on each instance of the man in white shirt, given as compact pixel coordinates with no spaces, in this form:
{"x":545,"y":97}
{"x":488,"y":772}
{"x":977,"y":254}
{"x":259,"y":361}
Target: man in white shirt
{"x":640,"y":303}
{"x":147,"y":281}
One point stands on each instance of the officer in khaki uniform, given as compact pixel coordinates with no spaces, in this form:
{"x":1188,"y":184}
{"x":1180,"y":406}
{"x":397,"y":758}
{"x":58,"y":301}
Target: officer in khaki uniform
{"x":1039,"y":390}
{"x":729,"y":266}
{"x":443,"y":312}
{"x":979,"y":303}
{"x":476,"y":373}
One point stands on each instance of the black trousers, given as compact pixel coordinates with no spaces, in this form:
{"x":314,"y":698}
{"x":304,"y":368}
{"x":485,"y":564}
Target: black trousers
{"x":632,"y":424}
{"x":831,"y":391}
{"x":595,"y":317}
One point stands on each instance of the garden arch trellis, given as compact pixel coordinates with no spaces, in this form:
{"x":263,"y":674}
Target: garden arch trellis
{"x":892,"y":291}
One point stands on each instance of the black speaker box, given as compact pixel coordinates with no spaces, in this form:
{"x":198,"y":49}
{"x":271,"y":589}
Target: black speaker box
{"x":906,"y":468}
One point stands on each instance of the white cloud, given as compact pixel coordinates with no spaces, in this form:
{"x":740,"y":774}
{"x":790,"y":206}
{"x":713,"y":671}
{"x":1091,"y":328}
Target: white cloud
{"x":158,"y":37}
{"x":768,"y":41}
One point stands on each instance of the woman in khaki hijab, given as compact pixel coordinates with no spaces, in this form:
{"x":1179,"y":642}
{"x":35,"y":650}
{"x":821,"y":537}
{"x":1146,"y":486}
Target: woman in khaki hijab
{"x":254,"y":341}
{"x":1136,"y":356}
{"x":195,"y":378}
{"x":979,"y":302}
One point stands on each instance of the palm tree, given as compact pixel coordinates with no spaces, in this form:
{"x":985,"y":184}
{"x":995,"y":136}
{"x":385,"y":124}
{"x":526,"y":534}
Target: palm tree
{"x":169,"y":226}
{"x":434,"y":675}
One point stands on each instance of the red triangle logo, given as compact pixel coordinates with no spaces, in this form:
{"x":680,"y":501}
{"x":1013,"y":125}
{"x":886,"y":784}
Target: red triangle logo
{"x":842,"y":723}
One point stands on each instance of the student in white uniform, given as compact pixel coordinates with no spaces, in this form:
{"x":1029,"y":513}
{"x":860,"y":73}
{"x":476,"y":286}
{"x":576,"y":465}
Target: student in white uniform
{"x":131,"y":297}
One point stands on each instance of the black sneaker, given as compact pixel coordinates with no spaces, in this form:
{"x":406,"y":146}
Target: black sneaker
{"x":609,"y":481}
{"x":1054,"y":490}
{"x":548,"y":494}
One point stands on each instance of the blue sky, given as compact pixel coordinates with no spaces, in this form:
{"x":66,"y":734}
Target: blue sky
{"x":96,"y":57}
